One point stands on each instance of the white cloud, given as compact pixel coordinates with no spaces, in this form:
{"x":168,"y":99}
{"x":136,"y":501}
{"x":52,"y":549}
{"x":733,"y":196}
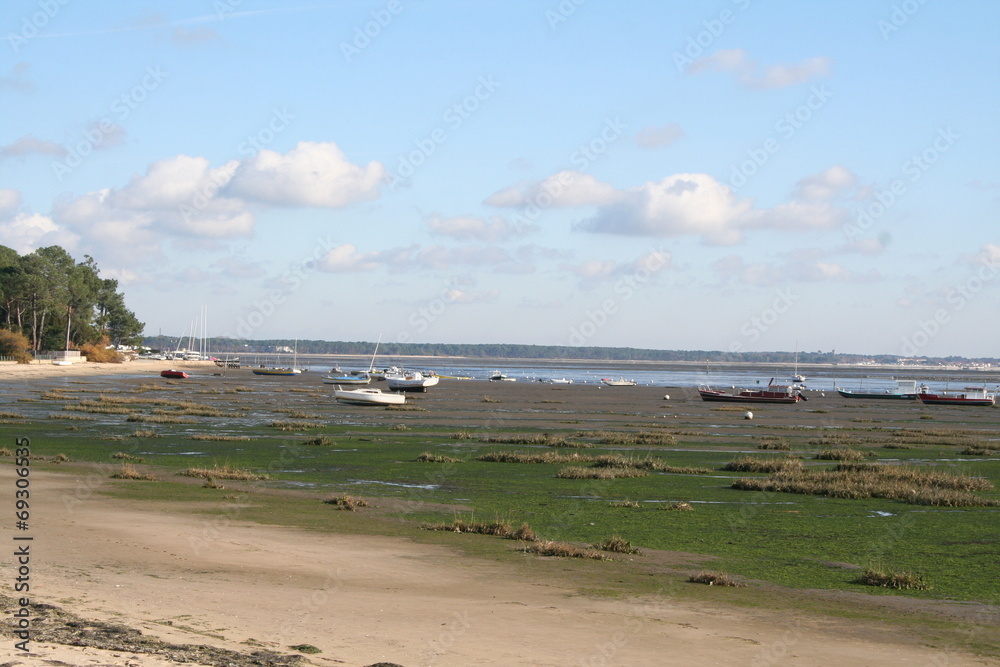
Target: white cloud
{"x":734,"y":269}
{"x":311,"y":174}
{"x":682,"y":204}
{"x":471,"y":228}
{"x":655,"y":137}
{"x":26,"y":232}
{"x":346,"y":259}
{"x":747,"y":70}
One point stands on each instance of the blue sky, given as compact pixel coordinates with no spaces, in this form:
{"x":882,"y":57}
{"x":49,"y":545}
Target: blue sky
{"x":733,"y":175}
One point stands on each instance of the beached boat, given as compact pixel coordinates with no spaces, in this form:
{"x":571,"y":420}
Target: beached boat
{"x":497,"y":376}
{"x":338,"y":376}
{"x":368,"y":396}
{"x":972,"y":396}
{"x":228,"y":362}
{"x":774,"y":393}
{"x":906,"y":390}
{"x":620,"y":382}
{"x":560,"y":381}
{"x":411,"y":381}
{"x":275,"y":371}
{"x":172,"y":373}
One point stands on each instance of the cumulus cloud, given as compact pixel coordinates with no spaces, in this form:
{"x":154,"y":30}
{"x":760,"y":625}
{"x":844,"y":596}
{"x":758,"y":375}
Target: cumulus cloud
{"x":682,"y":204}
{"x":594,"y":271}
{"x":749,"y":74}
{"x":26,"y":232}
{"x":311,"y":174}
{"x":29,"y":145}
{"x":471,"y":228}
{"x":10,"y":199}
{"x":655,"y":137}
{"x":346,"y":259}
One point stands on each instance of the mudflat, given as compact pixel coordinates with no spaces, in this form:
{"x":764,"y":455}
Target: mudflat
{"x":105,"y":568}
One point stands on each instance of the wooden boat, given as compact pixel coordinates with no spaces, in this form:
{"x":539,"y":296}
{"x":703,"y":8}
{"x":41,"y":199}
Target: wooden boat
{"x":620,"y":382}
{"x":172,"y":373}
{"x":972,"y":396}
{"x":906,"y":390}
{"x":411,"y":381}
{"x":368,"y":396}
{"x":774,"y":393}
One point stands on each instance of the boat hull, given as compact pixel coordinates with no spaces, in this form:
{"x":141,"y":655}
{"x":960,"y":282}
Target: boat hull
{"x":275,"y":371}
{"x":935,"y":399}
{"x":368,"y":397}
{"x":173,"y":374}
{"x":749,"y":397}
{"x":885,"y":395}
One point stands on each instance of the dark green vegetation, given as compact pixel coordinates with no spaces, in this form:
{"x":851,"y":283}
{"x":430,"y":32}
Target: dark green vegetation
{"x":519,"y":351}
{"x":464,"y":466}
{"x":56,"y":303}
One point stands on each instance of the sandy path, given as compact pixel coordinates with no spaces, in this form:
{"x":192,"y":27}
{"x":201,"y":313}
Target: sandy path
{"x":365,"y":599}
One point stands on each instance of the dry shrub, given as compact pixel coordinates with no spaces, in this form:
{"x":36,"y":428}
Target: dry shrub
{"x":977,"y":451}
{"x":496,"y":528}
{"x":524,"y":439}
{"x":293,"y":426}
{"x":678,"y":506}
{"x":461,"y":435}
{"x":129,"y":471}
{"x":617,"y":545}
{"x":157,"y":419}
{"x":210,"y":483}
{"x":714,"y":579}
{"x":100,"y":353}
{"x":15,"y":345}
{"x":753,"y":464}
{"x":138,"y":433}
{"x":319,"y":441}
{"x":225,"y":472}
{"x":346,"y":502}
{"x":10,"y":415}
{"x":775,"y":445}
{"x":625,"y":503}
{"x":531,"y":457}
{"x":405,"y":407}
{"x":878,"y":576}
{"x":72,"y":417}
{"x":879,"y":481}
{"x":221,"y":438}
{"x":125,"y":456}
{"x":562,"y":550}
{"x":60,"y":458}
{"x":487,"y":399}
{"x":427,"y":457}
{"x":578,"y":472}
{"x":640,"y":438}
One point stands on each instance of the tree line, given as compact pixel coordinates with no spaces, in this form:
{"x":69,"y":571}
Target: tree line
{"x":58,"y":303}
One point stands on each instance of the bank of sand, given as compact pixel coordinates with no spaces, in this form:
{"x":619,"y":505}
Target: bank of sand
{"x":369,"y":599}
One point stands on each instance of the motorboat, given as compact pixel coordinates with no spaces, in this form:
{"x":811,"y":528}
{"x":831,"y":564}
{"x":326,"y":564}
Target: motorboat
{"x":906,"y":390}
{"x":338,"y":376}
{"x":620,"y":382}
{"x":774,"y":393}
{"x":972,"y":396}
{"x":410,"y":381}
{"x":173,"y":373}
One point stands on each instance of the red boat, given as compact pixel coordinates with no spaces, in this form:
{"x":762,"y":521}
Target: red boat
{"x":173,"y":374}
{"x":774,"y":393}
{"x":974,"y":396}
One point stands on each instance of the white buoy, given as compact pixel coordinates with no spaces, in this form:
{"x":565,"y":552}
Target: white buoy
{"x":748,"y":415}
{"x":666,"y":397}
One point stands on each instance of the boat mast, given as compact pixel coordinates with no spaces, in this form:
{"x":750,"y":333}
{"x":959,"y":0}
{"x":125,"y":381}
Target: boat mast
{"x":371,"y":366}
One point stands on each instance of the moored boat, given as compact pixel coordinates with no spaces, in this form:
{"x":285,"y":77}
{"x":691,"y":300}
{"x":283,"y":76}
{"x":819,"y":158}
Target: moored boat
{"x":906,"y":390}
{"x":620,"y":382}
{"x":368,"y":396}
{"x":972,"y":396}
{"x":173,"y":373}
{"x":411,"y":381}
{"x":774,"y":393}
{"x":275,"y":371}
{"x":338,"y":376}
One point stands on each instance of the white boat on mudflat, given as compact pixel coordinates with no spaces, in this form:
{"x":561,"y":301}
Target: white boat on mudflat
{"x":501,"y":377}
{"x":620,"y":382}
{"x":368,"y":396}
{"x":410,"y":381}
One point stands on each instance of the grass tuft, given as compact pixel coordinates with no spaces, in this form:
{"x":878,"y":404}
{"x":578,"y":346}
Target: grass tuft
{"x":427,"y":457}
{"x":346,"y":502}
{"x":617,"y":545}
{"x":883,"y":578}
{"x":714,"y":579}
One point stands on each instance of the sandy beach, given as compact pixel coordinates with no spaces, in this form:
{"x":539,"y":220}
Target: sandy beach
{"x":363,"y":600}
